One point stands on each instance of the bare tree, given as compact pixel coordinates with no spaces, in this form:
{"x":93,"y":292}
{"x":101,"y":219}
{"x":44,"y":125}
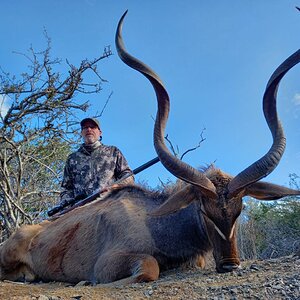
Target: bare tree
{"x":175,"y":149}
{"x":37,"y":132}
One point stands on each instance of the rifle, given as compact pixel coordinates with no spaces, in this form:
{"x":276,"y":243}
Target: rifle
{"x":77,"y":203}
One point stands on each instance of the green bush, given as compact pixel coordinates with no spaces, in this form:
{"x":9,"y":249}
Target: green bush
{"x":270,"y":229}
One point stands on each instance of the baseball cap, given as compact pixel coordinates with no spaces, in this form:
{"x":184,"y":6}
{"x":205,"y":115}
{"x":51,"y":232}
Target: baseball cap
{"x":93,"y":120}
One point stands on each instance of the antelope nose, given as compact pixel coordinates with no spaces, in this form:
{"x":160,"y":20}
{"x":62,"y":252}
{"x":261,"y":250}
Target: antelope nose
{"x":227,"y":267}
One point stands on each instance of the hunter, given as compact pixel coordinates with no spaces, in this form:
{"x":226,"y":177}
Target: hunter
{"x":93,"y":166}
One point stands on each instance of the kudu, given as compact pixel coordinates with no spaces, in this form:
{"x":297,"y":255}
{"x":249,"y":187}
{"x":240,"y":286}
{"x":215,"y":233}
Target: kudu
{"x":132,"y":233}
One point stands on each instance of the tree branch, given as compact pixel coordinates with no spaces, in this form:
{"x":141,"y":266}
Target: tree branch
{"x":176,"y":152}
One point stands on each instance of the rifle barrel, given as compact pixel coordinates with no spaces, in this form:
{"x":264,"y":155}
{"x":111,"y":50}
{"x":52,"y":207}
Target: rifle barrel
{"x":145,"y":165}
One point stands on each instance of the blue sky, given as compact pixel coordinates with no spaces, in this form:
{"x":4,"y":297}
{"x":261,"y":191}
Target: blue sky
{"x":215,"y":58}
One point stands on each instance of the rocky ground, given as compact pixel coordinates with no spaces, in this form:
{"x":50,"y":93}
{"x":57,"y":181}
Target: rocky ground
{"x":269,"y":279}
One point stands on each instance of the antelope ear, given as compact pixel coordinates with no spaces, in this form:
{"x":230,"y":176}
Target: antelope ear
{"x":268,"y":191}
{"x":175,"y":202}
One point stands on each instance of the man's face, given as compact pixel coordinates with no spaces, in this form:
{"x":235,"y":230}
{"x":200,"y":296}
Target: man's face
{"x":90,"y":132}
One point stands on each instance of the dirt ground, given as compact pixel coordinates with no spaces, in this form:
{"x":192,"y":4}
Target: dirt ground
{"x":269,"y":279}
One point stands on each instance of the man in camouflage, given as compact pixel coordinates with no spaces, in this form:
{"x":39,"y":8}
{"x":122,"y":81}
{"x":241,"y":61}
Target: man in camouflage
{"x":93,"y":166}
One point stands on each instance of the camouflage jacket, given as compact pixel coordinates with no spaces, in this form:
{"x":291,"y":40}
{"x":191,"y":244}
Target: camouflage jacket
{"x":89,"y":169}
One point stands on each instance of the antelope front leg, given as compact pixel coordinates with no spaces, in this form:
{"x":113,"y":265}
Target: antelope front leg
{"x":121,"y":268}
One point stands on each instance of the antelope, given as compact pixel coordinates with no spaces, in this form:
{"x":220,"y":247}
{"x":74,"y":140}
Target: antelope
{"x":132,"y":233}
